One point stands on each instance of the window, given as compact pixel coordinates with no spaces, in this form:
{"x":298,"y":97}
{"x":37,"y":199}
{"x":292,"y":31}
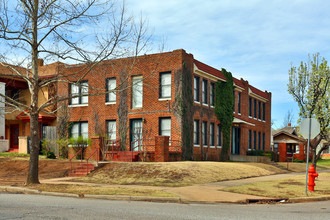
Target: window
{"x":219,"y":136}
{"x":254,"y":140}
{"x":255,"y":108}
{"x":275,"y":149}
{"x":212,"y":91}
{"x":196,"y":132}
{"x":259,"y":141}
{"x":263,"y":141}
{"x":239,"y":103}
{"x":263,"y":111}
{"x":212,"y":134}
{"x":165,"y":126}
{"x":165,"y":85}
{"x":79,"y":89}
{"x":250,"y":139}
{"x":111,"y":129}
{"x":259,"y":110}
{"x":234,"y":101}
{"x":79,"y":129}
{"x":137,"y":92}
{"x":196,"y":89}
{"x":204,"y":91}
{"x":110,"y":87}
{"x":204,"y":133}
{"x":250,"y":106}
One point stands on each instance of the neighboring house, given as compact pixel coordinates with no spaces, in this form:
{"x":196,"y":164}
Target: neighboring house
{"x":288,"y":145}
{"x":168,"y":94}
{"x":17,"y":123}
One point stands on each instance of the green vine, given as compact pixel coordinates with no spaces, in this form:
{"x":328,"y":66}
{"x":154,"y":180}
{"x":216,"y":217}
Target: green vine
{"x":224,"y":102}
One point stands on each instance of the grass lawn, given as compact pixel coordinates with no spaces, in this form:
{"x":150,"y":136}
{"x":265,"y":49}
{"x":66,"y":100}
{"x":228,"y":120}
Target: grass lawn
{"x":100,"y":190}
{"x":177,"y":173}
{"x":285,"y":188}
{"x":324,"y":162}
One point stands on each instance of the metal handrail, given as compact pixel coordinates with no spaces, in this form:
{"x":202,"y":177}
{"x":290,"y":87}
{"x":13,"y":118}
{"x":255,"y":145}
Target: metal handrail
{"x":97,"y":158}
{"x":75,"y":156}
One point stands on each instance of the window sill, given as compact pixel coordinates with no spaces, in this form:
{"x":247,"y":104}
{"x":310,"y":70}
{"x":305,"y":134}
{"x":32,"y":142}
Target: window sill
{"x":239,"y":114}
{"x":205,"y":105}
{"x":196,"y":145}
{"x":250,"y":116}
{"x":78,"y":105}
{"x":110,"y":103}
{"x":212,"y":106}
{"x":137,"y":108}
{"x":212,"y":146}
{"x":219,"y":146}
{"x":164,"y":99}
{"x":197,"y":102}
{"x":204,"y":145}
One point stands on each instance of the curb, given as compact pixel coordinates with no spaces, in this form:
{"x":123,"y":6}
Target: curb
{"x":23,"y":190}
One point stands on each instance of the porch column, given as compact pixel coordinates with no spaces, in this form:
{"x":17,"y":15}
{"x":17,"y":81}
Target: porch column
{"x":2,"y":111}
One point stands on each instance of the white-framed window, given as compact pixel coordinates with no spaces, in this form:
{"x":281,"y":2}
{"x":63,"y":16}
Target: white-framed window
{"x":196,"y":88}
{"x":204,"y":91}
{"x":111,"y":129}
{"x":263,"y":111}
{"x":165,"y":85}
{"x":110,"y":88}
{"x":212,"y":91}
{"x":250,"y":140}
{"x":204,"y":133}
{"x":212,"y":134}
{"x":255,"y":108}
{"x":219,"y":139}
{"x":239,"y":103}
{"x":250,"y":107}
{"x":137,"y":92}
{"x":196,"y":132}
{"x":79,"y":129}
{"x":80,"y":90}
{"x":165,"y":127}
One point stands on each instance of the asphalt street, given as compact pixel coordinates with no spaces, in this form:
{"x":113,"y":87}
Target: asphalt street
{"x":21,"y":206}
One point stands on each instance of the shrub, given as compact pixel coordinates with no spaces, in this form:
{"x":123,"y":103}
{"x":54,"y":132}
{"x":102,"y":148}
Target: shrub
{"x":80,"y":143}
{"x":63,"y":149}
{"x":298,"y":161}
{"x":47,"y":148}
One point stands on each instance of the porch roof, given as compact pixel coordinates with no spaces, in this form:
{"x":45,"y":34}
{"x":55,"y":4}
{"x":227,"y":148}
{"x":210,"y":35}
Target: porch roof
{"x":240,"y":121}
{"x":43,"y":117}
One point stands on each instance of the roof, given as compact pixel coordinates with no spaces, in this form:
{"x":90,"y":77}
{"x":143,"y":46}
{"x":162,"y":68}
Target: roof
{"x":258,"y":92}
{"x":208,"y":69}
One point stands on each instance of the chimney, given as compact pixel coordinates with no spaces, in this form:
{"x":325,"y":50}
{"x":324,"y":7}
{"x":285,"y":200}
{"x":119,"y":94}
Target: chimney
{"x":40,"y":62}
{"x":289,"y":125}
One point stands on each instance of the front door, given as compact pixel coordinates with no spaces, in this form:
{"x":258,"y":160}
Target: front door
{"x":236,"y":136}
{"x":136,"y":134}
{"x":14,"y":133}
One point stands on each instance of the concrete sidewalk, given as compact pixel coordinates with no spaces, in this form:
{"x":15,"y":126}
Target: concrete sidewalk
{"x":204,"y":193}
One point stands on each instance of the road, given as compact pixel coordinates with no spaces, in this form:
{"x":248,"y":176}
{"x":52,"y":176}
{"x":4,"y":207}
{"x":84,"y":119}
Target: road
{"x":20,"y":206}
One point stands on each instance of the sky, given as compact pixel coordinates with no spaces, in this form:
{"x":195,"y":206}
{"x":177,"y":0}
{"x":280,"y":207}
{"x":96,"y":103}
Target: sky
{"x":255,"y":40}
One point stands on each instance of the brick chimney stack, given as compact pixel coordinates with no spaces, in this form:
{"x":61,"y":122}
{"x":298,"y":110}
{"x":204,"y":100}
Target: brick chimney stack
{"x":289,"y":125}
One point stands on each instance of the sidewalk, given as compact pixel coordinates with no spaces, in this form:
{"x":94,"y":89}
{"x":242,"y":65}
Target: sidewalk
{"x":204,"y":193}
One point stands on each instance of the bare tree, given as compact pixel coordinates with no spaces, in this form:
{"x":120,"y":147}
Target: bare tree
{"x":288,"y":118}
{"x":73,"y":31}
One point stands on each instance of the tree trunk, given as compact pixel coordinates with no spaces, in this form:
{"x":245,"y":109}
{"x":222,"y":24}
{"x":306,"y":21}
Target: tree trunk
{"x":33,"y":175}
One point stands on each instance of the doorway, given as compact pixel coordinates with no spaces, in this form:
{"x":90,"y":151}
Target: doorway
{"x":14,"y":133}
{"x":236,"y":139}
{"x":136,"y":134}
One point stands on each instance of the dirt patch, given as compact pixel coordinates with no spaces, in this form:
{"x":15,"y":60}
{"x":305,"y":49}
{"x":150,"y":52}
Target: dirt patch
{"x":14,"y":170}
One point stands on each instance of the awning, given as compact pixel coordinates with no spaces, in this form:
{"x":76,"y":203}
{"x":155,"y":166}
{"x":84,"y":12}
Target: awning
{"x":240,"y":121}
{"x":43,"y":117}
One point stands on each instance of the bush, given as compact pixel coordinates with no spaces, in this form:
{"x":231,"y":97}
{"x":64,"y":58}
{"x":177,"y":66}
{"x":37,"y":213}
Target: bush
{"x":63,"y":149}
{"x":80,"y":143}
{"x":298,"y":161}
{"x":47,"y":148}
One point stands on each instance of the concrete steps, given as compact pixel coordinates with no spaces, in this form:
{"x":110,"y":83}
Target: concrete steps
{"x":82,"y":170}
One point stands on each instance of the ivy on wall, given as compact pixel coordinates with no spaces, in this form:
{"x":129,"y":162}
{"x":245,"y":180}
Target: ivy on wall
{"x":224,"y":102}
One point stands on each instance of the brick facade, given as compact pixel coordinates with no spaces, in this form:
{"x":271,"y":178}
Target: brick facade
{"x":176,"y":113}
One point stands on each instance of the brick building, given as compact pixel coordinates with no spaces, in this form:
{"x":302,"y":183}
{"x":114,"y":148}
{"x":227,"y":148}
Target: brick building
{"x":161,"y":94}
